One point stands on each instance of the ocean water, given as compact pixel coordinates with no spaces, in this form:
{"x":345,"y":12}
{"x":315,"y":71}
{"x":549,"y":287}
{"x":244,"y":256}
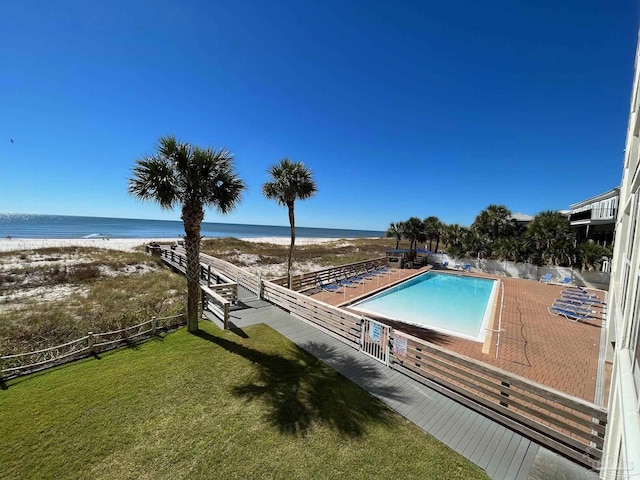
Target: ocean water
{"x":63,"y":226}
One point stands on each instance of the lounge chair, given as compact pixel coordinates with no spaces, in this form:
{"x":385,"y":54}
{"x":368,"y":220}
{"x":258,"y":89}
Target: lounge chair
{"x":564,"y":281}
{"x":577,"y":302}
{"x":328,"y":287}
{"x":344,"y":282}
{"x":571,"y":315}
{"x":380,"y":271}
{"x":565,"y":305}
{"x":366,"y":274}
{"x":467,"y":267}
{"x":353,"y":276}
{"x":576,"y":289}
{"x":445,"y":265}
{"x":546,"y":278}
{"x":579,"y":296}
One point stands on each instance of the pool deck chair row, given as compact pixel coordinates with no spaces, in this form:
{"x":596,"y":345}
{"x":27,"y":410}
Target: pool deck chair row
{"x":575,"y":304}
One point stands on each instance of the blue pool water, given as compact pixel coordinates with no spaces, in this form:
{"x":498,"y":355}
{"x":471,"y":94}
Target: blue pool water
{"x":453,"y":304}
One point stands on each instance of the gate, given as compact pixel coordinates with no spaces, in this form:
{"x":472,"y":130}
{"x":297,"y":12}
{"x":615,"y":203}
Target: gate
{"x":374,"y":340}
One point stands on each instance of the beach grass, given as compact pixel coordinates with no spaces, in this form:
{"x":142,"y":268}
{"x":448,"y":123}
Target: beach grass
{"x":80,"y":290}
{"x":338,"y":252}
{"x":210,"y":405}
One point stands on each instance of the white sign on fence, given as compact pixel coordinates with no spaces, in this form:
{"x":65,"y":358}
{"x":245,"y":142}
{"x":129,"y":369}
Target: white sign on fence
{"x":375,"y":331}
{"x":400,"y":346}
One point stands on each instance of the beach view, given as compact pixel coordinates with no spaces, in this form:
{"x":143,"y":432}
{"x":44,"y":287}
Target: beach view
{"x":320,"y":241}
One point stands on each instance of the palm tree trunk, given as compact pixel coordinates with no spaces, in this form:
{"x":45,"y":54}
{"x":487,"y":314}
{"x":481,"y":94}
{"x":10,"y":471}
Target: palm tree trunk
{"x":192,"y":217}
{"x":292,"y":222}
{"x":437,"y":243}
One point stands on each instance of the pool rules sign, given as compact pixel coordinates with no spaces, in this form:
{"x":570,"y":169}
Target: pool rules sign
{"x":375,"y":331}
{"x":400,"y":346}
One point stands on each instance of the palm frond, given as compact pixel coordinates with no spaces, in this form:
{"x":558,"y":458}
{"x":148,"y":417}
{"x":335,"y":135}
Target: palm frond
{"x":153,"y":179}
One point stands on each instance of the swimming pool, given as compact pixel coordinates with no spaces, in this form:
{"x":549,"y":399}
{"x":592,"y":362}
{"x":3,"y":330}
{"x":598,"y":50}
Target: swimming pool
{"x":452,"y":304}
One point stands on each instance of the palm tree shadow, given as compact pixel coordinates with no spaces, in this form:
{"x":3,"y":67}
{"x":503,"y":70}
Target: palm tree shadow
{"x":302,"y":391}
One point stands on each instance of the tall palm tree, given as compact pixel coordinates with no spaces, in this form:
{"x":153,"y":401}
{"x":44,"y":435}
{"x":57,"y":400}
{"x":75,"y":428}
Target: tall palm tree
{"x":430,"y":225}
{"x":289,"y":181}
{"x":396,"y":230}
{"x":193,"y":178}
{"x":414,"y":232}
{"x":432,"y":229}
{"x":440,"y":228}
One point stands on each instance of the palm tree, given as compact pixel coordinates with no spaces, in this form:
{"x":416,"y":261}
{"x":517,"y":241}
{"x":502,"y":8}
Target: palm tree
{"x":414,"y":232}
{"x":194,"y":178}
{"x":551,"y":237}
{"x":454,"y":236}
{"x":432,"y":227}
{"x":494,"y":222}
{"x":289,"y":181}
{"x":395,"y":230}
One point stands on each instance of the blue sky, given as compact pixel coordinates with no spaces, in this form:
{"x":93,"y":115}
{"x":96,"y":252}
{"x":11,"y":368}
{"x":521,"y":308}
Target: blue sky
{"x":399,"y":108}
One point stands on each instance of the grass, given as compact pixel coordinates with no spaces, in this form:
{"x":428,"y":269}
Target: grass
{"x":212,"y":405}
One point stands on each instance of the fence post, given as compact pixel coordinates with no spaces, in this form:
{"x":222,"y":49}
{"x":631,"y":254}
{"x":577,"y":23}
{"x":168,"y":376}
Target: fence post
{"x":154,"y":326}
{"x":260,"y":286}
{"x":226,"y":316}
{"x":208,"y":275}
{"x":91,"y":347}
{"x":0,"y":368}
{"x":204,"y":302}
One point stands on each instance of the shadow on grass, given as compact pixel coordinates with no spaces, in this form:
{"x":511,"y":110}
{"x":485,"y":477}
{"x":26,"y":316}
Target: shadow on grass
{"x":302,"y":391}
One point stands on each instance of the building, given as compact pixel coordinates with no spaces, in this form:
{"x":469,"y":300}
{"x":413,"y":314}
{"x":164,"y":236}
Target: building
{"x":621,"y":458}
{"x":595,"y":218}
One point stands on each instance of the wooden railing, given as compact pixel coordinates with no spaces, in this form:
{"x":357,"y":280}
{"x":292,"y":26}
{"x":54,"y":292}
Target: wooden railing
{"x":12,"y":366}
{"x":335,"y":321}
{"x":567,"y":424}
{"x":306,"y":281}
{"x":215,"y":280}
{"x":216,"y":303}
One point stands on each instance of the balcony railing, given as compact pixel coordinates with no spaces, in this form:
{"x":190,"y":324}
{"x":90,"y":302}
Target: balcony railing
{"x":608,"y":213}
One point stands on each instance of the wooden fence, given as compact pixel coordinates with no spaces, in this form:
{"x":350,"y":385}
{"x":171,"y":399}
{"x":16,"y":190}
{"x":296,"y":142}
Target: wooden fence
{"x":19,"y":364}
{"x":335,"y":321}
{"x":564,"y":423}
{"x":309,"y":280}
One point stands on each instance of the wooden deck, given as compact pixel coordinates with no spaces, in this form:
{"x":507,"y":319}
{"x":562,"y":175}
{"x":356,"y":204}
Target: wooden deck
{"x":501,"y":452}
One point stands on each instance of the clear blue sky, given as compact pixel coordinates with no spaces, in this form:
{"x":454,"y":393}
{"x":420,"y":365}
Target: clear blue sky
{"x":399,"y":108}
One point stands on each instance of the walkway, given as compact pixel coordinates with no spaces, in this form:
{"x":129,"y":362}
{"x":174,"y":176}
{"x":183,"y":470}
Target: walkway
{"x":502,"y":453}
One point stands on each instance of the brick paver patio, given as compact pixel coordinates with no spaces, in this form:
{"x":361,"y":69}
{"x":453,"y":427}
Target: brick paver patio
{"x":534,"y":343}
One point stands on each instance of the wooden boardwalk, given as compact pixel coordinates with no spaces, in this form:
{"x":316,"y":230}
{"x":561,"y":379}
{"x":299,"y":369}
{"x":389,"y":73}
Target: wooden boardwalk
{"x":502,"y":453}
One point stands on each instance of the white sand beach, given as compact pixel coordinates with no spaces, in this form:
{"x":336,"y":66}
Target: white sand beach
{"x":126,"y":244}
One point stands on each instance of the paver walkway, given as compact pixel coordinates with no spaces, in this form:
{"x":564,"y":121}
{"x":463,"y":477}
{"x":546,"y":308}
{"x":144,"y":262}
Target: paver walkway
{"x":501,"y":452}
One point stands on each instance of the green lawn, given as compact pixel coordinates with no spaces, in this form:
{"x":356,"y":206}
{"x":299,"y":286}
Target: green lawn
{"x":213,"y":405}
